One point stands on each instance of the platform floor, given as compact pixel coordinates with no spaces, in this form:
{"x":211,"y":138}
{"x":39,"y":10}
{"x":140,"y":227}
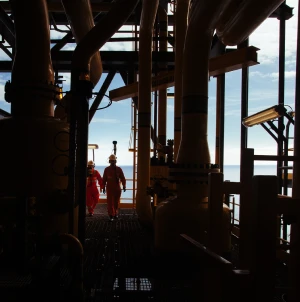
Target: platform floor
{"x":119,"y":264}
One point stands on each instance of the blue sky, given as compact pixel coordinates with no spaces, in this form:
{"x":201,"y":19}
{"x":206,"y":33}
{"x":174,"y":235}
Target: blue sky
{"x":114,"y":123}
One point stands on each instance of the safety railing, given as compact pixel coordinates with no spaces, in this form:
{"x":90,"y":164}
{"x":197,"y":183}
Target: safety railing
{"x":283,"y":239}
{"x":127,"y":199}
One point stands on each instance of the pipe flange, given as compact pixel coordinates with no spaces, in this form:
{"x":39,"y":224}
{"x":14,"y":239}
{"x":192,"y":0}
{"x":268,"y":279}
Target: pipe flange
{"x":194,"y":166}
{"x":30,"y":90}
{"x":191,"y":173}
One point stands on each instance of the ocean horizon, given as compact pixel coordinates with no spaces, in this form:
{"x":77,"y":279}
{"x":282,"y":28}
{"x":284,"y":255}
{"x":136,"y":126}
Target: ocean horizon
{"x":231,"y":173}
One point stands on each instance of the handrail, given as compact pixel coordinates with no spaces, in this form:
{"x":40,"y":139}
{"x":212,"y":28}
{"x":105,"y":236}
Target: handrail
{"x":102,"y":197}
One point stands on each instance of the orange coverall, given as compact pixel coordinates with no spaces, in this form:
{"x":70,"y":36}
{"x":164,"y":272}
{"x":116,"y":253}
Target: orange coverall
{"x":92,"y":192}
{"x":113,"y":177}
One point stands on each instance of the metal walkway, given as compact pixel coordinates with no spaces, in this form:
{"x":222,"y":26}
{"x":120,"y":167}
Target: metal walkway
{"x":119,"y":265}
{"x":119,"y":261}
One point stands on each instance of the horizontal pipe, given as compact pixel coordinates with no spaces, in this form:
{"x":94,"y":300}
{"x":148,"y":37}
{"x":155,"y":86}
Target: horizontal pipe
{"x":241,"y":18}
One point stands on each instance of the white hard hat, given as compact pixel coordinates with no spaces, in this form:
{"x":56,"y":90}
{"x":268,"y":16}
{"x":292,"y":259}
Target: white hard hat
{"x":112,"y":157}
{"x":91,"y":163}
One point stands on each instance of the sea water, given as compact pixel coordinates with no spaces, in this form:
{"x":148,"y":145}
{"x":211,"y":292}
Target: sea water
{"x":231,"y":173}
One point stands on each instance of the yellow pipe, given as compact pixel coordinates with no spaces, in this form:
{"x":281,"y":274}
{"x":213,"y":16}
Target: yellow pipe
{"x":181,"y":21}
{"x":32,"y":95}
{"x":81,"y":20}
{"x":100,"y":34}
{"x":32,"y":66}
{"x":143,"y":201}
{"x":187,"y":213}
{"x":241,"y":18}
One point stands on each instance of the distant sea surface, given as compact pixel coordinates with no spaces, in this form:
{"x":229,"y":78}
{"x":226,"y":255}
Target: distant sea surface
{"x":231,"y":172}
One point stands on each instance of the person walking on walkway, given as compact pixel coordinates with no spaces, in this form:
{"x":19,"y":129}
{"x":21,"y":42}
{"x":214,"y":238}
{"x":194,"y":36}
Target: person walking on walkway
{"x":92,"y":192}
{"x":113,"y":178}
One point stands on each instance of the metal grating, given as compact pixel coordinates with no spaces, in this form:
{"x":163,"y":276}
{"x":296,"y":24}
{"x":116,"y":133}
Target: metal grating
{"x":119,"y":265}
{"x":133,"y":284}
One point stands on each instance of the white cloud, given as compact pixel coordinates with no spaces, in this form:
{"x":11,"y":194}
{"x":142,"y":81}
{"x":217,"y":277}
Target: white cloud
{"x":105,"y":120}
{"x":2,"y":94}
{"x":120,"y":46}
{"x":274,"y":75}
{"x":170,"y":108}
{"x":266,"y":37}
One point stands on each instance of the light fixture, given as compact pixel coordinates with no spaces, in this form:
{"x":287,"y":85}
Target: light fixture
{"x":264,"y":116}
{"x":93,"y":146}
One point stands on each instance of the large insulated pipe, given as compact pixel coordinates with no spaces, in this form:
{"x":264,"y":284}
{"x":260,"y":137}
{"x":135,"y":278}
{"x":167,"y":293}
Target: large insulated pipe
{"x":188,"y":212}
{"x":143,"y":201}
{"x":32,"y":70}
{"x":32,"y":94}
{"x":80,"y":17}
{"x":241,"y":18}
{"x":181,"y":21}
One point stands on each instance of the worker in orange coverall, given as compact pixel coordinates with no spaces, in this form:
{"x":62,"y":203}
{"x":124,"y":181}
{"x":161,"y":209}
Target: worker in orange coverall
{"x":113,"y":177}
{"x":92,"y":192}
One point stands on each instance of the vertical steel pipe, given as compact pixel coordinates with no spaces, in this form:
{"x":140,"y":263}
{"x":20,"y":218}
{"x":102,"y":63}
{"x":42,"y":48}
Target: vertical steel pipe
{"x":219,"y":156}
{"x":32,"y":66}
{"x":162,"y":93}
{"x":143,"y":201}
{"x":188,"y":212}
{"x":294,"y":263}
{"x":281,"y":80}
{"x":181,"y":22}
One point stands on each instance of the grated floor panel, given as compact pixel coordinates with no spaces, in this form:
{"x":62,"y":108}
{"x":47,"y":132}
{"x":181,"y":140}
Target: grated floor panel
{"x":119,"y":265}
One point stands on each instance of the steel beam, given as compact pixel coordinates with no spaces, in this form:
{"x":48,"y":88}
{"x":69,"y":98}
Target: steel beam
{"x":231,"y":61}
{"x":124,"y":60}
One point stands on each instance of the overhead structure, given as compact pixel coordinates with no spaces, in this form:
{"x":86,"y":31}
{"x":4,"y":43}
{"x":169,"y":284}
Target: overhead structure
{"x":162,"y":44}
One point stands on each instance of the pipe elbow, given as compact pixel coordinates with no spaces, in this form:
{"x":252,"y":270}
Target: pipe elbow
{"x":73,"y":243}
{"x":239,"y":20}
{"x":148,"y":15}
{"x":80,"y":17}
{"x":97,"y":37}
